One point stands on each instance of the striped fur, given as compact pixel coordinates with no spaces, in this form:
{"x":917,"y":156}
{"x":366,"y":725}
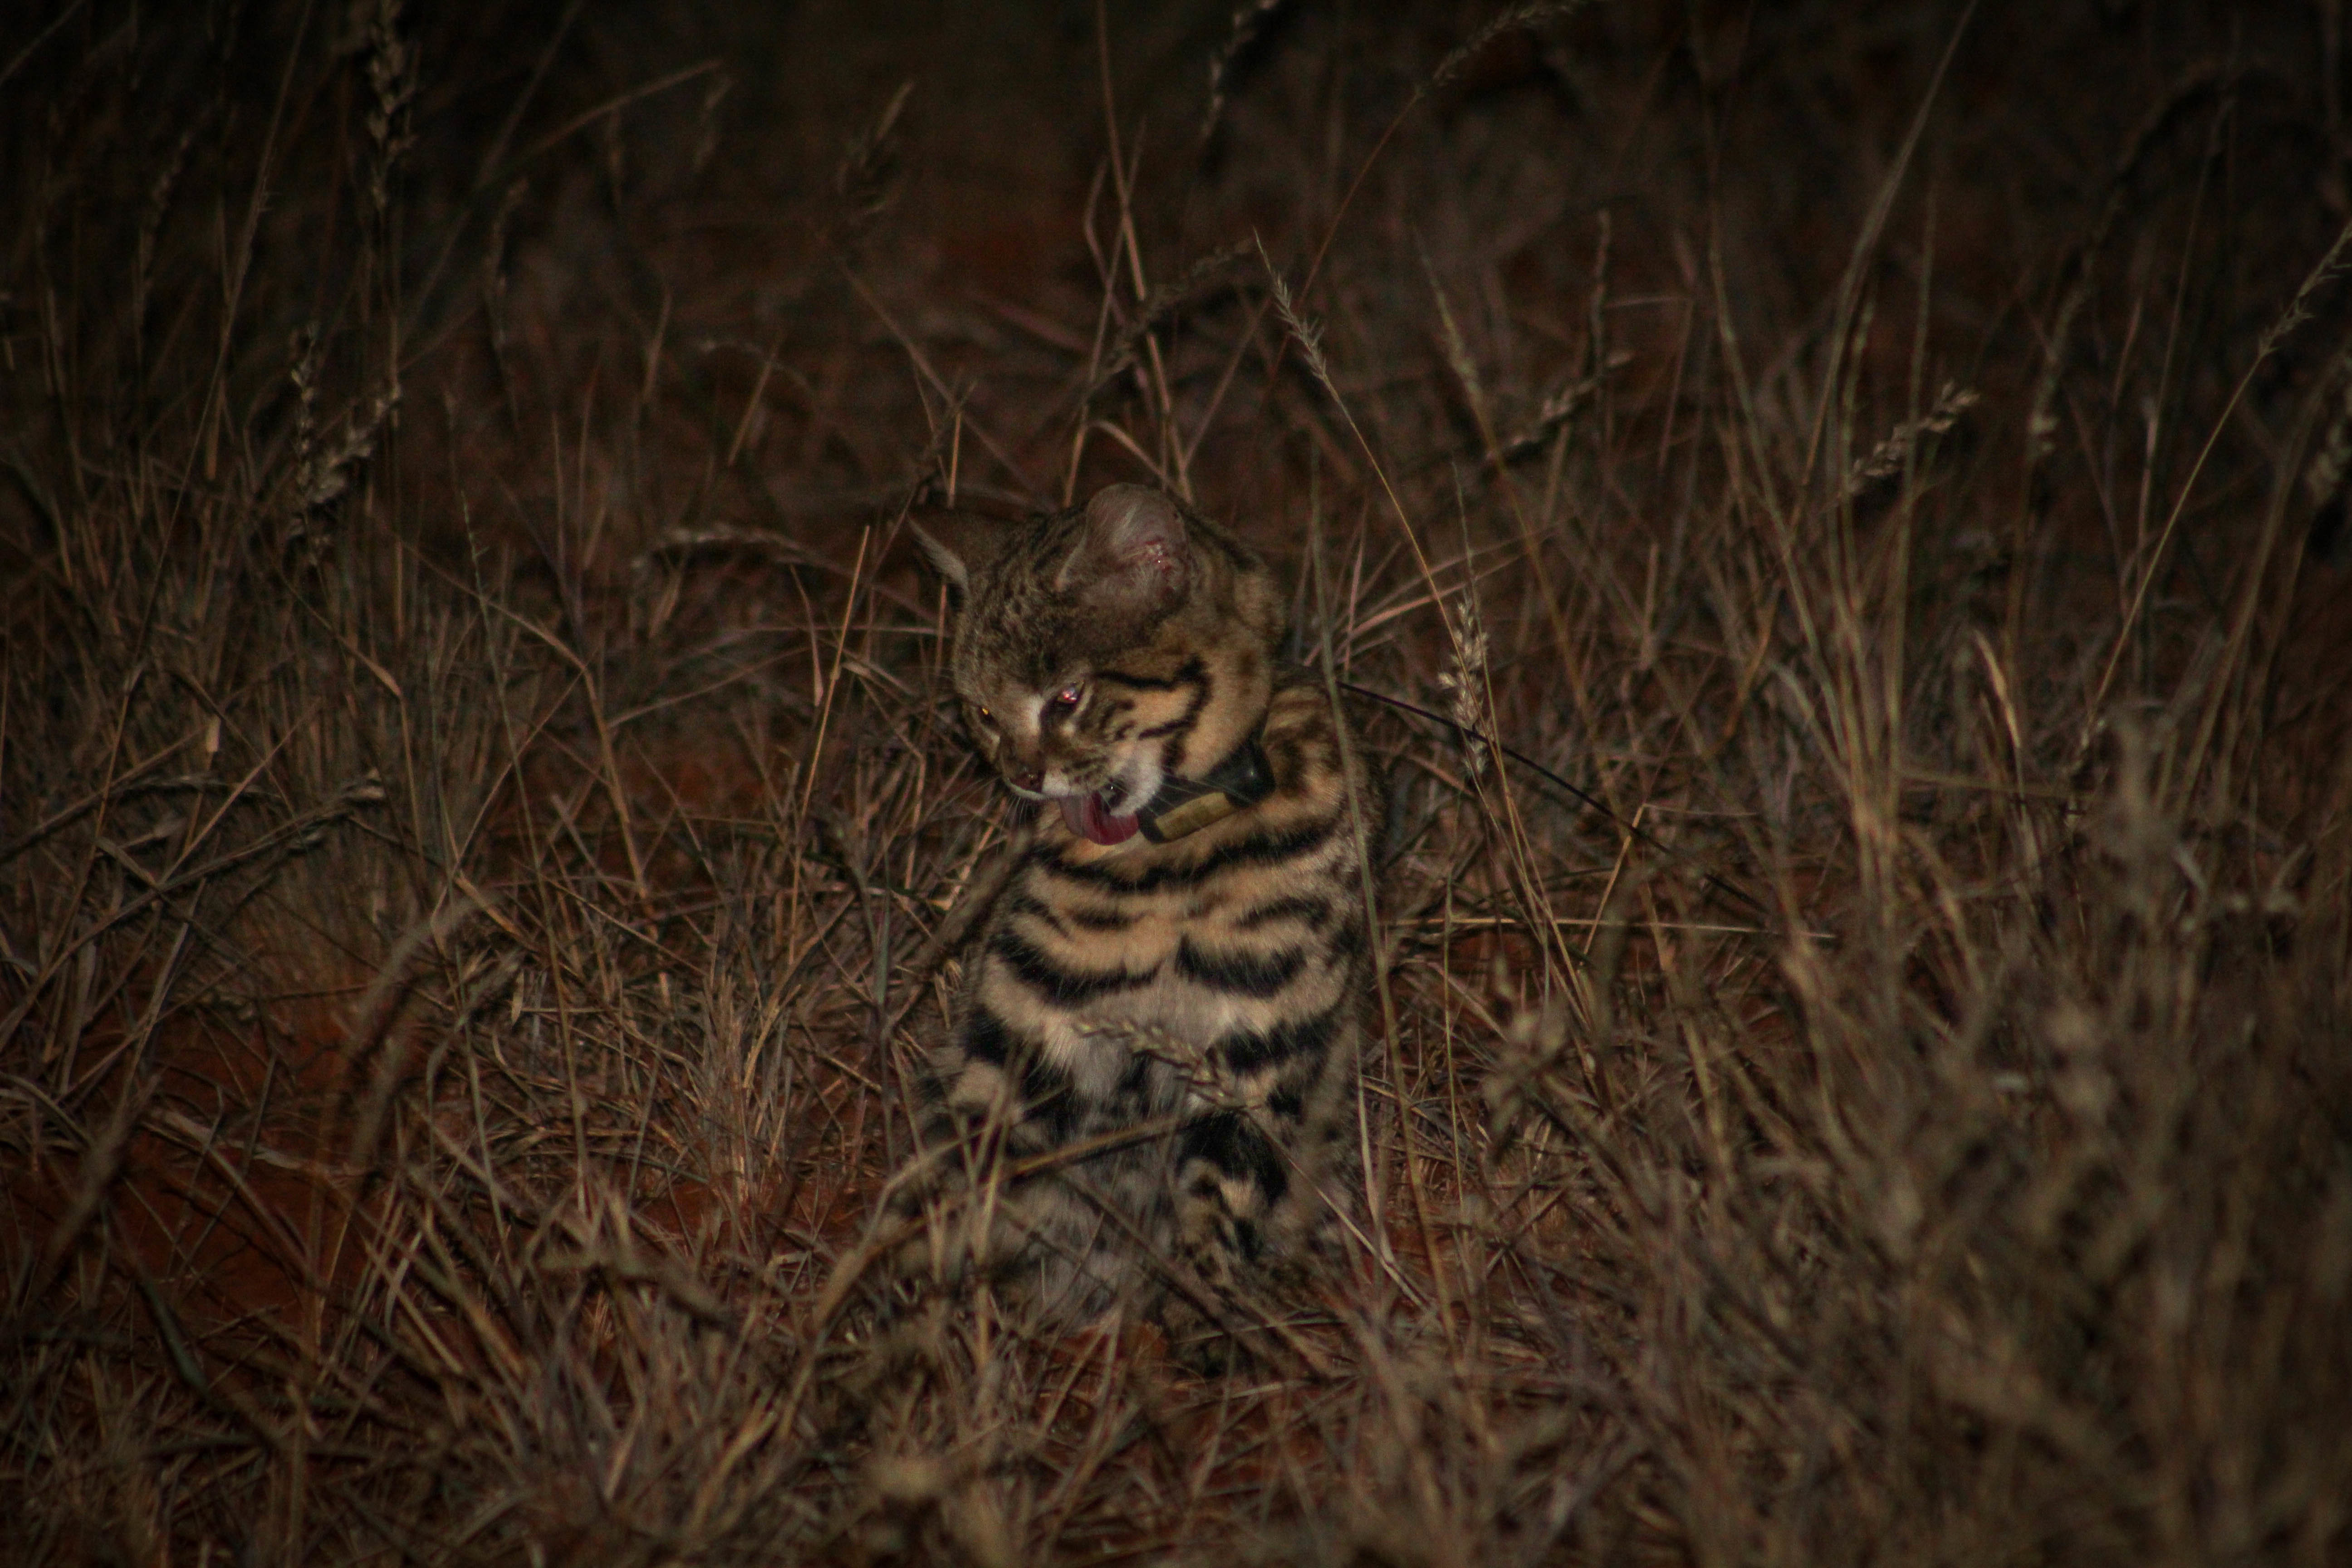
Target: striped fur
{"x":1153,"y":1054}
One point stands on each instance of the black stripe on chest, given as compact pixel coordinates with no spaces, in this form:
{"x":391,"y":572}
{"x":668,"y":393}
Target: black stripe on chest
{"x":1063,"y":987}
{"x":1258,"y":849}
{"x":1240,"y":974}
{"x":1246,"y":1050}
{"x":1026,"y":905}
{"x":1019,"y":903}
{"x":1314,"y":913}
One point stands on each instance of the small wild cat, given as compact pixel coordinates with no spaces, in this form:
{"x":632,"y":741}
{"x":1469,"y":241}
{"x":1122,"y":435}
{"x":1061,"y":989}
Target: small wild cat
{"x":1154,"y":1052}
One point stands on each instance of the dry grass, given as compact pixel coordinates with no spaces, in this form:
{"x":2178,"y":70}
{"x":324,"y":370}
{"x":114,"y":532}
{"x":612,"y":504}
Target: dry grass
{"x":1846,"y":510}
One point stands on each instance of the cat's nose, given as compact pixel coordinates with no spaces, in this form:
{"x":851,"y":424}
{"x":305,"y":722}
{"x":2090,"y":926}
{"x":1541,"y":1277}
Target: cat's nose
{"x":1029,"y":779}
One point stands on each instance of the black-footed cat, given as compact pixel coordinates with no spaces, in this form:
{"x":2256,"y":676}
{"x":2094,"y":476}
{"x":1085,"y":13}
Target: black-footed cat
{"x":1153,"y":1055}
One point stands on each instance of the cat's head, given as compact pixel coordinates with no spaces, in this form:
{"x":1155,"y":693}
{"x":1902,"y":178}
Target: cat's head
{"x":1101,"y":650}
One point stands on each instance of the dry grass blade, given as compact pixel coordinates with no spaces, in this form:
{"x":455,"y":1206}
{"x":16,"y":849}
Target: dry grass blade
{"x":1249,"y":24}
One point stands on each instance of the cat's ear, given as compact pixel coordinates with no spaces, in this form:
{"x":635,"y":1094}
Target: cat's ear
{"x":944,"y":561}
{"x":1133,"y":552}
{"x":961,"y":543}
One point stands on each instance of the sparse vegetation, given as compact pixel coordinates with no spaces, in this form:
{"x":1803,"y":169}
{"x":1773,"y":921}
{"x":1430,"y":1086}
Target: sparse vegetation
{"x":1834,"y":513}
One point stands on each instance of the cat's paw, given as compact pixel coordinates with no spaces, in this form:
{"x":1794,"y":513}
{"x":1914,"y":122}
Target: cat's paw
{"x":1203,"y":1342}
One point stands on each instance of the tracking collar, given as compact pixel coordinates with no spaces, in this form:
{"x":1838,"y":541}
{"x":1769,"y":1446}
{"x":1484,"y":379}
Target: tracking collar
{"x":1187,"y":806}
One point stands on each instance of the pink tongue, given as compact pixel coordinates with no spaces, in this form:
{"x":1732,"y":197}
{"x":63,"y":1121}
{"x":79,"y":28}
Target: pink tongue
{"x":1087,"y":819}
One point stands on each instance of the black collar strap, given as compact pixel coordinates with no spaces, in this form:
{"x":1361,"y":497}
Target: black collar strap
{"x":1187,"y":806}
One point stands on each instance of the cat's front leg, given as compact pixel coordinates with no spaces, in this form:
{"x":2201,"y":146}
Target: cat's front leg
{"x":1228,"y":1178}
{"x":991,"y":1102}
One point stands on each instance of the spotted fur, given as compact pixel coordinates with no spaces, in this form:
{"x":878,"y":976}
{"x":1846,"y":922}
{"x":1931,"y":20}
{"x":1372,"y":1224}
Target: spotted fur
{"x":1153,"y":1055}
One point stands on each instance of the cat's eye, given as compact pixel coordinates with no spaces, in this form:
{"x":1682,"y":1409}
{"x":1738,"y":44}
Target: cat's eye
{"x":1065,"y":701}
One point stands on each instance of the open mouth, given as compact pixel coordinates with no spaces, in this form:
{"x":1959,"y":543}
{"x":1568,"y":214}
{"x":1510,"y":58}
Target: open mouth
{"x":1091,"y":820}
